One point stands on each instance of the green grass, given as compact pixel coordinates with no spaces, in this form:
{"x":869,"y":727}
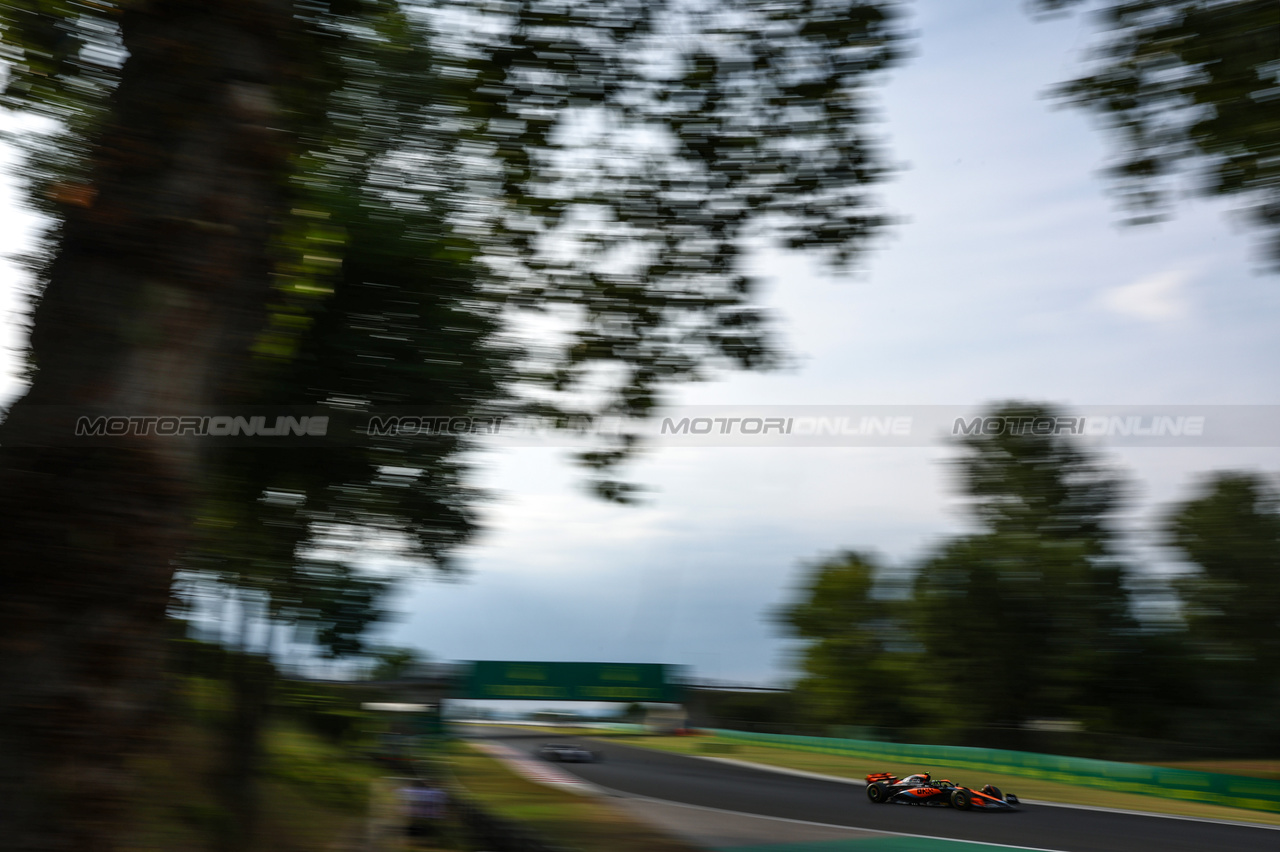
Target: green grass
{"x":962,"y":773}
{"x":312,"y":795}
{"x":562,"y":818}
{"x":321,"y":771}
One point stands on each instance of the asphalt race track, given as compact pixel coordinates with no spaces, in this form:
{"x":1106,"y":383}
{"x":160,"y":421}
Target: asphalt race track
{"x":676,"y":778}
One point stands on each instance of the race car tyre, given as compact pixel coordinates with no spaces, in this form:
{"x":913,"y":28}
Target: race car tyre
{"x":960,"y":800}
{"x":993,"y":791}
{"x":876,"y":792}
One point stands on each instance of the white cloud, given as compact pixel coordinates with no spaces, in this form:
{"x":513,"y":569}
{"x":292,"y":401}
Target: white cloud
{"x":1156,"y":298}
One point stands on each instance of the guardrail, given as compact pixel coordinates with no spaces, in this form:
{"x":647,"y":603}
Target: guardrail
{"x":1189,"y":785}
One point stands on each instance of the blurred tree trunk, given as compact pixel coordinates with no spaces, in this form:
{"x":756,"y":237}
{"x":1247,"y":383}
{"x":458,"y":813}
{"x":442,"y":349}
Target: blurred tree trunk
{"x":160,"y":274}
{"x":248,"y":680}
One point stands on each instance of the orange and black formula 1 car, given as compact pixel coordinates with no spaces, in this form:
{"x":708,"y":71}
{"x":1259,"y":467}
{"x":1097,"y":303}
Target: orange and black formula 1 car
{"x":923,"y":790}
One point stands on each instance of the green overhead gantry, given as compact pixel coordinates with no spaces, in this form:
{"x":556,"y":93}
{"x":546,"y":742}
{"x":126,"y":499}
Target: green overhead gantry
{"x":626,"y":682}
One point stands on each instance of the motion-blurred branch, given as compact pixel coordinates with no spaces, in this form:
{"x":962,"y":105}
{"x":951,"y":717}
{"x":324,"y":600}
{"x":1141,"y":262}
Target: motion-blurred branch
{"x":1188,"y":86}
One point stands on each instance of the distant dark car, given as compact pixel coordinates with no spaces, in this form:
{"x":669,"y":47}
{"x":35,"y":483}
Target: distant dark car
{"x":921,"y":789}
{"x":568,"y":753}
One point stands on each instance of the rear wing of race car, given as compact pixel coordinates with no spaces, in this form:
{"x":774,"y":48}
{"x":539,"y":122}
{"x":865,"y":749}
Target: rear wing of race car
{"x":881,"y":776}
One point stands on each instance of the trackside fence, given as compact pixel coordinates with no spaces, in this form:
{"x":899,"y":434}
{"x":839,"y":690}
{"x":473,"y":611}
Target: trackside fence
{"x":1189,"y":785}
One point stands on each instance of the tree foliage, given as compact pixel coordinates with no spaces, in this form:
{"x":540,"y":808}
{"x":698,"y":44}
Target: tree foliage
{"x":396,"y":663}
{"x":1230,"y":531}
{"x":1040,"y":576}
{"x":343,"y":203}
{"x":859,"y":651}
{"x":1026,"y":618}
{"x":1015,"y":629}
{"x":1036,"y":615}
{"x":1045,"y":487}
{"x":1188,"y":88}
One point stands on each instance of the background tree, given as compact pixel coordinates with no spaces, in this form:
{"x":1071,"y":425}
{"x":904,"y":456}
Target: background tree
{"x":1187,"y":88}
{"x":603,"y":161}
{"x":1035,"y":615}
{"x":859,"y":653}
{"x":1023,"y":484}
{"x":1231,"y":532}
{"x":396,"y":663}
{"x":773,"y":712}
{"x":1040,"y":583}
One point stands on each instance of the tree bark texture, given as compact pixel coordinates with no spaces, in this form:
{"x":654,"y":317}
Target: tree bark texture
{"x":161,"y":273}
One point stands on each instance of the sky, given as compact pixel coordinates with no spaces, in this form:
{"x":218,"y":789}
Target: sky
{"x":1007,"y":277}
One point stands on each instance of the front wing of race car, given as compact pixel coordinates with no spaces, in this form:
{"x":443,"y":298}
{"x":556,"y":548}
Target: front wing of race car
{"x":987,"y":802}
